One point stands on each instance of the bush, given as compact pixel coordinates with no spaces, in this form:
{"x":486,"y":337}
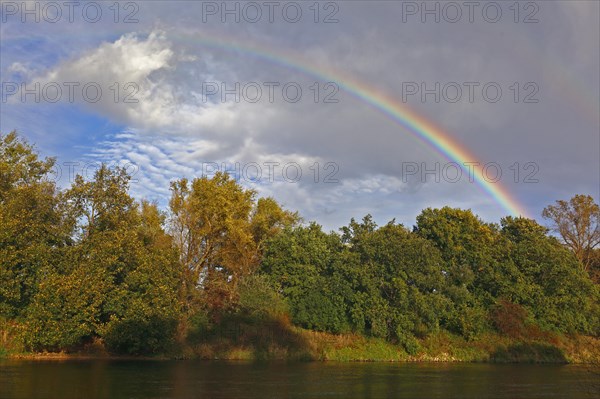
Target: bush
{"x":509,"y":318}
{"x":140,"y":334}
{"x":317,"y":307}
{"x":11,"y":337}
{"x":258,"y":298}
{"x":64,"y":311}
{"x":408,"y":341}
{"x":198,"y":326}
{"x":468,"y":321}
{"x":320,"y":311}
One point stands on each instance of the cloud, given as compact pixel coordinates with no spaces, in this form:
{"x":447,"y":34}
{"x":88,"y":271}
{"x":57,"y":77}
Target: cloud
{"x":172,"y":132}
{"x":129,"y":65}
{"x":141,"y":86}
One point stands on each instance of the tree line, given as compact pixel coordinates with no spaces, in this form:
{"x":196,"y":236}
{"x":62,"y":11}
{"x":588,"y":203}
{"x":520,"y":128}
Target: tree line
{"x":92,"y":264}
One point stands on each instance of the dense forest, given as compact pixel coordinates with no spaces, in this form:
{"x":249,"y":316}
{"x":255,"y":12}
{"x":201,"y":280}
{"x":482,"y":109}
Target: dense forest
{"x":91,"y":267}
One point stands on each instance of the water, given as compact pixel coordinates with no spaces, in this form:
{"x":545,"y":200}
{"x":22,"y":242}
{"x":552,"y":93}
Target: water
{"x":202,"y":379}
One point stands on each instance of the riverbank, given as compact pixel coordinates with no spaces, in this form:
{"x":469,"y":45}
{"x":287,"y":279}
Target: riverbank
{"x":441,"y":347}
{"x":305,"y":345}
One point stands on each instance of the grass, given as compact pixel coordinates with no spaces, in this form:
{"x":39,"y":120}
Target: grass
{"x":440,"y":347}
{"x":351,"y":347}
{"x":246,"y":339}
{"x":529,"y":352}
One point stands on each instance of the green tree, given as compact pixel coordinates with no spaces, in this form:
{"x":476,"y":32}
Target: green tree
{"x":102,"y":204}
{"x":117,"y":282}
{"x":259,"y":299}
{"x":148,"y":320}
{"x":299,"y":263}
{"x":67,"y":308}
{"x":555,"y":292}
{"x":385,"y":282}
{"x":594,"y":270}
{"x":31,"y":226}
{"x":399,"y":282}
{"x":469,"y":248}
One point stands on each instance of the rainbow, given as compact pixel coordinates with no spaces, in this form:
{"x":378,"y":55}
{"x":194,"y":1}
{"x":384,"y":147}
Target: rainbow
{"x":424,"y":130}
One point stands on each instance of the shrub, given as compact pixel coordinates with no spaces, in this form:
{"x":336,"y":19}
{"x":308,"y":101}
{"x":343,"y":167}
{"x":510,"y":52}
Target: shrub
{"x":259,"y":299}
{"x":319,"y":310}
{"x":140,"y":334}
{"x":468,"y":321}
{"x":64,"y":311}
{"x":509,"y":318}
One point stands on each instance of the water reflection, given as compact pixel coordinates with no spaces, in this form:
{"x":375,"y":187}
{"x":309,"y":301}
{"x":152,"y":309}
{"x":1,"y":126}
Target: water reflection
{"x":199,"y":379}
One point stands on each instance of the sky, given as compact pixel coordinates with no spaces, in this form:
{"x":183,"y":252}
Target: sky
{"x":337,"y":109}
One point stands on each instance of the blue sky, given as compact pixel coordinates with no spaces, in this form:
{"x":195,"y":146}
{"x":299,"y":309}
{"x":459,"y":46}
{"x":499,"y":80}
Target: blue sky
{"x":175,"y":129}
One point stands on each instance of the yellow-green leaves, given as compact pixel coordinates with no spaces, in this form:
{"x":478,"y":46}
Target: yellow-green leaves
{"x":30,"y":224}
{"x":219,"y":229}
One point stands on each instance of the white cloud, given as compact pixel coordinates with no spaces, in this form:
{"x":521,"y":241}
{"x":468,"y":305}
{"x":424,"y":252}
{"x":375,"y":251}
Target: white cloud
{"x":17,"y":67}
{"x":171,"y":131}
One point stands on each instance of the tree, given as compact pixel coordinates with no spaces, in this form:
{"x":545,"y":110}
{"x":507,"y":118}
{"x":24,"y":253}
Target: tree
{"x":210,"y":223}
{"x":31,"y":225}
{"x":220,"y":229}
{"x":299,"y":263}
{"x":150,"y":308}
{"x":385,"y":282}
{"x":594,"y":270}
{"x":20,"y":164}
{"x":102,"y":204}
{"x":268,"y":219}
{"x":471,"y":254}
{"x":119,"y":279}
{"x":399,"y":282}
{"x":547,"y":282}
{"x":577,"y":221}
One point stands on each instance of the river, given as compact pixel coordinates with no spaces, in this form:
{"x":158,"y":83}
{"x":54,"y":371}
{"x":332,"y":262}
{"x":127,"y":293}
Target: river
{"x":114,"y":379}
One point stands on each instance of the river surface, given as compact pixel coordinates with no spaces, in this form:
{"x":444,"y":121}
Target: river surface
{"x":90,"y":379}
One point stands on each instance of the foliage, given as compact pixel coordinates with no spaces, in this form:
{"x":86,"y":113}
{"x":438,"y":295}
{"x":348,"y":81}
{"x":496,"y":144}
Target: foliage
{"x":297,"y":261}
{"x":141,"y":331}
{"x":550,"y":284}
{"x":118,"y":280}
{"x":219,"y":230}
{"x":30,"y":223}
{"x":594,"y":270}
{"x":66,"y":310}
{"x":578,"y":223}
{"x":509,"y":318}
{"x":259,"y":299}
{"x":90,"y":264}
{"x":472,"y":269}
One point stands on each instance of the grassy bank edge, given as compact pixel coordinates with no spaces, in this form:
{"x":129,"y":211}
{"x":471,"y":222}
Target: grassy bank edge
{"x":441,"y":347}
